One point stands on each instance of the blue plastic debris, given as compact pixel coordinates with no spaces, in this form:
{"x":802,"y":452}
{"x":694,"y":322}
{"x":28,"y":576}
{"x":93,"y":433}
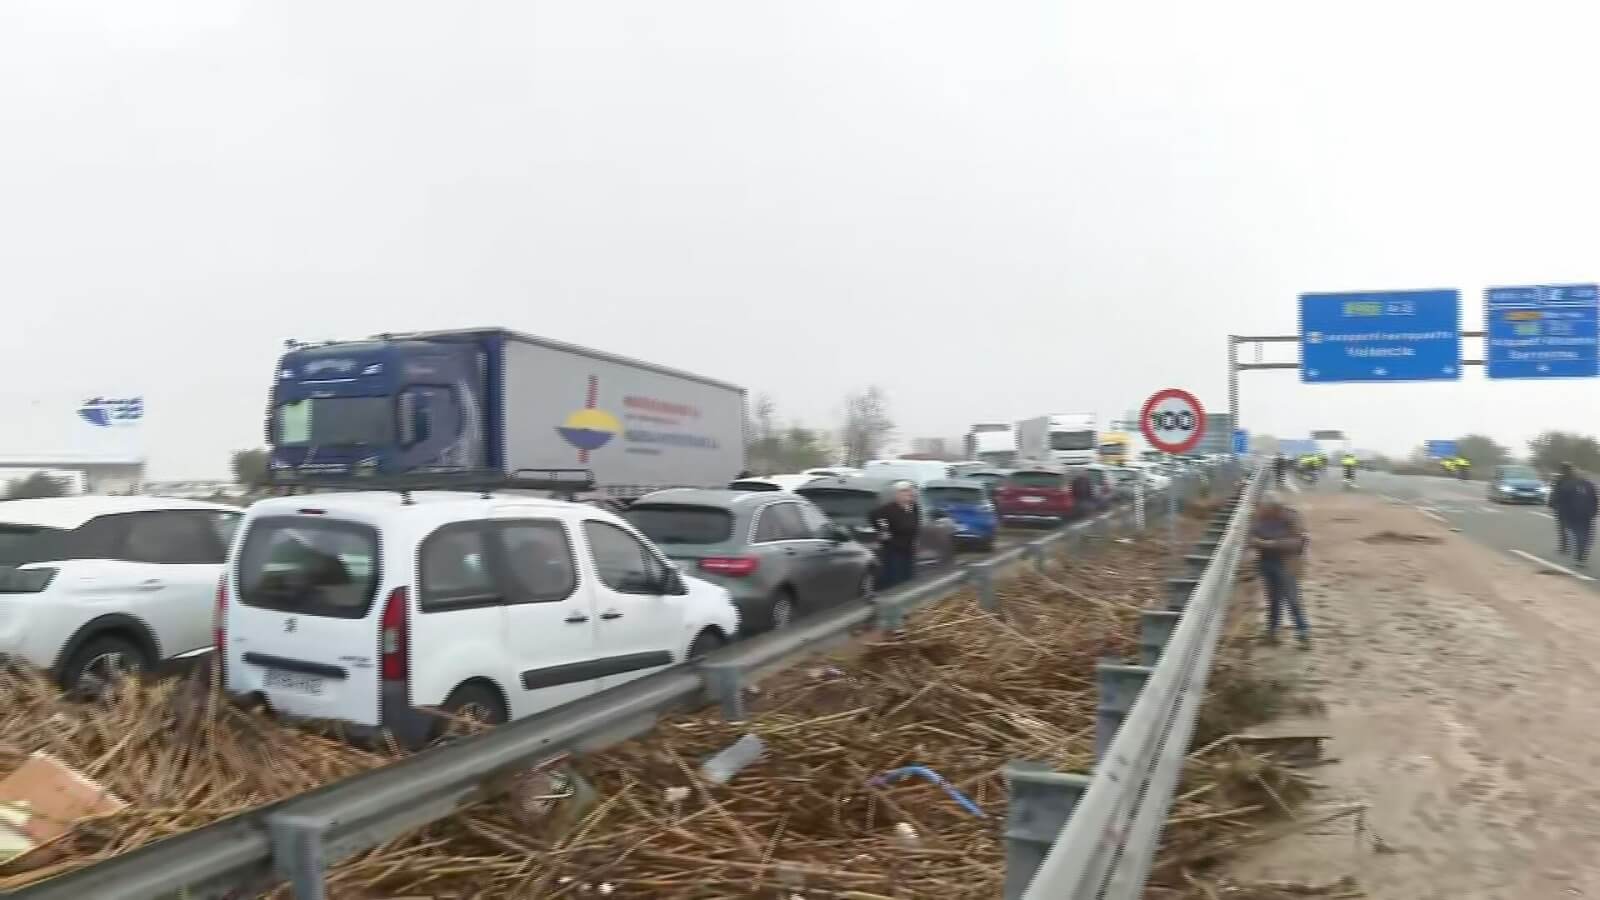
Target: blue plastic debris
{"x":929,"y":775}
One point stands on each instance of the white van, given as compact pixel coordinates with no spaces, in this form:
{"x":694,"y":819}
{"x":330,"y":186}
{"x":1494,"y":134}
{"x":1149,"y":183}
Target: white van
{"x":917,"y":471}
{"x":368,"y":608}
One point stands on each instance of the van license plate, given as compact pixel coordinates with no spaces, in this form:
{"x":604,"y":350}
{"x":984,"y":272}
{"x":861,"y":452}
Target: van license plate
{"x":1032,"y":499}
{"x":294,"y":681}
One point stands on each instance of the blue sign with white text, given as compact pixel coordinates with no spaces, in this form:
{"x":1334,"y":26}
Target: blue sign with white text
{"x":1440,"y":449}
{"x":1241,"y":442}
{"x":1380,"y":336}
{"x":1541,"y":331}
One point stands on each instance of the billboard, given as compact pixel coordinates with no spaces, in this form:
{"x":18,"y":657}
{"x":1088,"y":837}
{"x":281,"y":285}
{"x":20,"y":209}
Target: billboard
{"x":43,"y":429}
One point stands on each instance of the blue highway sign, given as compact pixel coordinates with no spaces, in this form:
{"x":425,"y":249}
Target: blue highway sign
{"x":1541,"y":331}
{"x":1380,"y":336}
{"x":1241,"y":442}
{"x":1440,"y":449}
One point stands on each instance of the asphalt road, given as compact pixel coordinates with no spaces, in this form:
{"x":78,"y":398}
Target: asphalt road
{"x":1527,"y":532}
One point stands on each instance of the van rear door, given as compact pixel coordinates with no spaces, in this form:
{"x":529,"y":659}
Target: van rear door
{"x":302,"y":625}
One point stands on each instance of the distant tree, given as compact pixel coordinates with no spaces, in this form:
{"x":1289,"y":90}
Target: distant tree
{"x":1549,"y":450}
{"x":867,"y":425}
{"x":804,"y":448}
{"x":34,"y":487}
{"x":1484,"y":452}
{"x":250,"y":468}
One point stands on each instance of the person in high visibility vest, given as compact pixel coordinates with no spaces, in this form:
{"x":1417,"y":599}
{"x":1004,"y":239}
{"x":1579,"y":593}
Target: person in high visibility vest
{"x":1463,"y":468}
{"x":1348,"y":461}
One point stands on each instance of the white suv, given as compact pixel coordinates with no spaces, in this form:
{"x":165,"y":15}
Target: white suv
{"x":367,"y":608}
{"x":94,"y":588}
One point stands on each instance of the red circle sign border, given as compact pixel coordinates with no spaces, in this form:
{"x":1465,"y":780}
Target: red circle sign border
{"x":1199,"y":414}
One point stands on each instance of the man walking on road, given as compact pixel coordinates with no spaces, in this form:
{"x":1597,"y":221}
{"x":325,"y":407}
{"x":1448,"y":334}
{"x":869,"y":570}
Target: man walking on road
{"x":898,"y":522}
{"x":1572,"y":499}
{"x":1281,"y":540}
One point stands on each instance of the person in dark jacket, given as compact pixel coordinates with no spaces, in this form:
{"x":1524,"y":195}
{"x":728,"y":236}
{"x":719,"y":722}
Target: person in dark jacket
{"x":1280,"y":539}
{"x":1082,"y":494}
{"x":898,"y":522}
{"x":1573,"y":501}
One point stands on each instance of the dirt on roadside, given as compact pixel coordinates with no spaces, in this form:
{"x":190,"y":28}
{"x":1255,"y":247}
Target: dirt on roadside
{"x":1460,"y":686}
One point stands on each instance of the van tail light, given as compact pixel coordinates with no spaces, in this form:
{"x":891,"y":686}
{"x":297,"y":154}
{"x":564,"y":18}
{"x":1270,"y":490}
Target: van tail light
{"x":219,"y":628}
{"x":393,"y":664}
{"x":737,"y":566}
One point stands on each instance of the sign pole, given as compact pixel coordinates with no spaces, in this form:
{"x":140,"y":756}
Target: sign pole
{"x":1172,"y":506}
{"x":1138,"y":502}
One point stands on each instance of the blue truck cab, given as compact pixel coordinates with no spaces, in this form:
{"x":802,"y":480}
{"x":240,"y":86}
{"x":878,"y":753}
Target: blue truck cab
{"x":381,"y":407}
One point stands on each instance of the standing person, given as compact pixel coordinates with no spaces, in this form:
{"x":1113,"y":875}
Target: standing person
{"x":1280,"y":464}
{"x":1280,"y":539}
{"x":1573,"y":500}
{"x":898,"y":522}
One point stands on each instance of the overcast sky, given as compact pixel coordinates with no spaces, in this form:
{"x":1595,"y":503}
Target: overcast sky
{"x":994,"y":209}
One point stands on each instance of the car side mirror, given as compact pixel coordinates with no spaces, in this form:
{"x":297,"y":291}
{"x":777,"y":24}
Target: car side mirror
{"x":835,"y":533}
{"x":866,"y":534}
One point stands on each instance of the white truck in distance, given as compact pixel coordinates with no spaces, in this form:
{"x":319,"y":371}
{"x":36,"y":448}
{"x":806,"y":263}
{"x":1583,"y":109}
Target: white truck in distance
{"x":1067,"y":439}
{"x":993,"y":444}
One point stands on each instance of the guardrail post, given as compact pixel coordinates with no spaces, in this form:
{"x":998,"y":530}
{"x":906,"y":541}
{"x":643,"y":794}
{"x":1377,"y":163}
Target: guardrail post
{"x":1120,"y":685}
{"x":1197,"y":562}
{"x":981,"y":574}
{"x":297,"y":853}
{"x":1179,"y":589}
{"x":1041,"y":801}
{"x":1155,"y":629}
{"x":1207,"y":546}
{"x":725,"y":685}
{"x":1034,"y":552}
{"x":891,"y":616}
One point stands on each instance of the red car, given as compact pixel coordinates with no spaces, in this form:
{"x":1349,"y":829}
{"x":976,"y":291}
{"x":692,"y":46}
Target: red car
{"x":1038,"y":495}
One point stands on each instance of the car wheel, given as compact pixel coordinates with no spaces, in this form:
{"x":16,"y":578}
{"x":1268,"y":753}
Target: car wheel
{"x":782,"y":610}
{"x":100,"y":665}
{"x":471,"y":702}
{"x":705,"y":642}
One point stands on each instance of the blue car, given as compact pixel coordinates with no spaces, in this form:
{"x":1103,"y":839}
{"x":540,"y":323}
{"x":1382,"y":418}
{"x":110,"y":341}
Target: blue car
{"x":1517,"y":484}
{"x":967,"y":503}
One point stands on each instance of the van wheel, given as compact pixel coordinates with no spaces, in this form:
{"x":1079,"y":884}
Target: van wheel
{"x":705,"y":642}
{"x":782,"y":610}
{"x":471,"y":702}
{"x":101,"y":665}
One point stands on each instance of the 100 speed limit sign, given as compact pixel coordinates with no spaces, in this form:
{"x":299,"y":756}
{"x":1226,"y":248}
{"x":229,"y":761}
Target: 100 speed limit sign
{"x":1172,"y":421}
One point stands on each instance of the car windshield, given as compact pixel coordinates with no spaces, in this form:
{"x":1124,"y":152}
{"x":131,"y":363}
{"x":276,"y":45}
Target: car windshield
{"x":673,"y":524}
{"x":955,"y":496}
{"x":843,"y":505}
{"x":753,"y":486}
{"x":335,"y":421}
{"x":1048,"y":480}
{"x":23,"y":544}
{"x":325,"y":568}
{"x":1071,"y":440}
{"x":1519,"y":473}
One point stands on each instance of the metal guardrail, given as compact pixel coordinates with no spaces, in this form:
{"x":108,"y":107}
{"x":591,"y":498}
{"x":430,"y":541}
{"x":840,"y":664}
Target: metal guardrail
{"x":1113,"y":820}
{"x":296,"y":839}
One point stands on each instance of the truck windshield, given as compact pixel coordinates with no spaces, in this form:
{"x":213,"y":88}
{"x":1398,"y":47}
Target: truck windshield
{"x":1071,"y":440}
{"x":672,"y":524}
{"x":332,"y":421}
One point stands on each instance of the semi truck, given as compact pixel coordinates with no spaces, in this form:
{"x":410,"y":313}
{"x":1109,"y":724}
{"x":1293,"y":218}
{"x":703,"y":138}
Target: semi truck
{"x":994,"y":444}
{"x":1066,"y":439}
{"x":492,"y":399}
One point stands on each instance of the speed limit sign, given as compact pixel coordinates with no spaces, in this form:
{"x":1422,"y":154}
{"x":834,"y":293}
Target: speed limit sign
{"x":1172,"y":421}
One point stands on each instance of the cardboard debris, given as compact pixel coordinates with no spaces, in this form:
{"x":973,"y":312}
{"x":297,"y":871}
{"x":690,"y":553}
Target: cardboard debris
{"x":43,"y":800}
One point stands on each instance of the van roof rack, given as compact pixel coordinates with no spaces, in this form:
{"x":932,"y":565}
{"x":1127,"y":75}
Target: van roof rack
{"x":483,"y":481}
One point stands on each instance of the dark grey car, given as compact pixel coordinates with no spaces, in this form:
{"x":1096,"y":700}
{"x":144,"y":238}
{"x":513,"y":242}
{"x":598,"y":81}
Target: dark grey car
{"x":777,"y":554}
{"x":850,"y":501}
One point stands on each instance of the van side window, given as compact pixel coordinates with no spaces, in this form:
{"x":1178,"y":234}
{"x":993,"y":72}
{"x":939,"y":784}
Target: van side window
{"x":539,"y":559}
{"x":784,"y":522}
{"x":622,"y":562}
{"x":455,"y":569}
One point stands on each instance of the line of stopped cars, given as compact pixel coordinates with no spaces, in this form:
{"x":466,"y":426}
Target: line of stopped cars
{"x":375,"y":608}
